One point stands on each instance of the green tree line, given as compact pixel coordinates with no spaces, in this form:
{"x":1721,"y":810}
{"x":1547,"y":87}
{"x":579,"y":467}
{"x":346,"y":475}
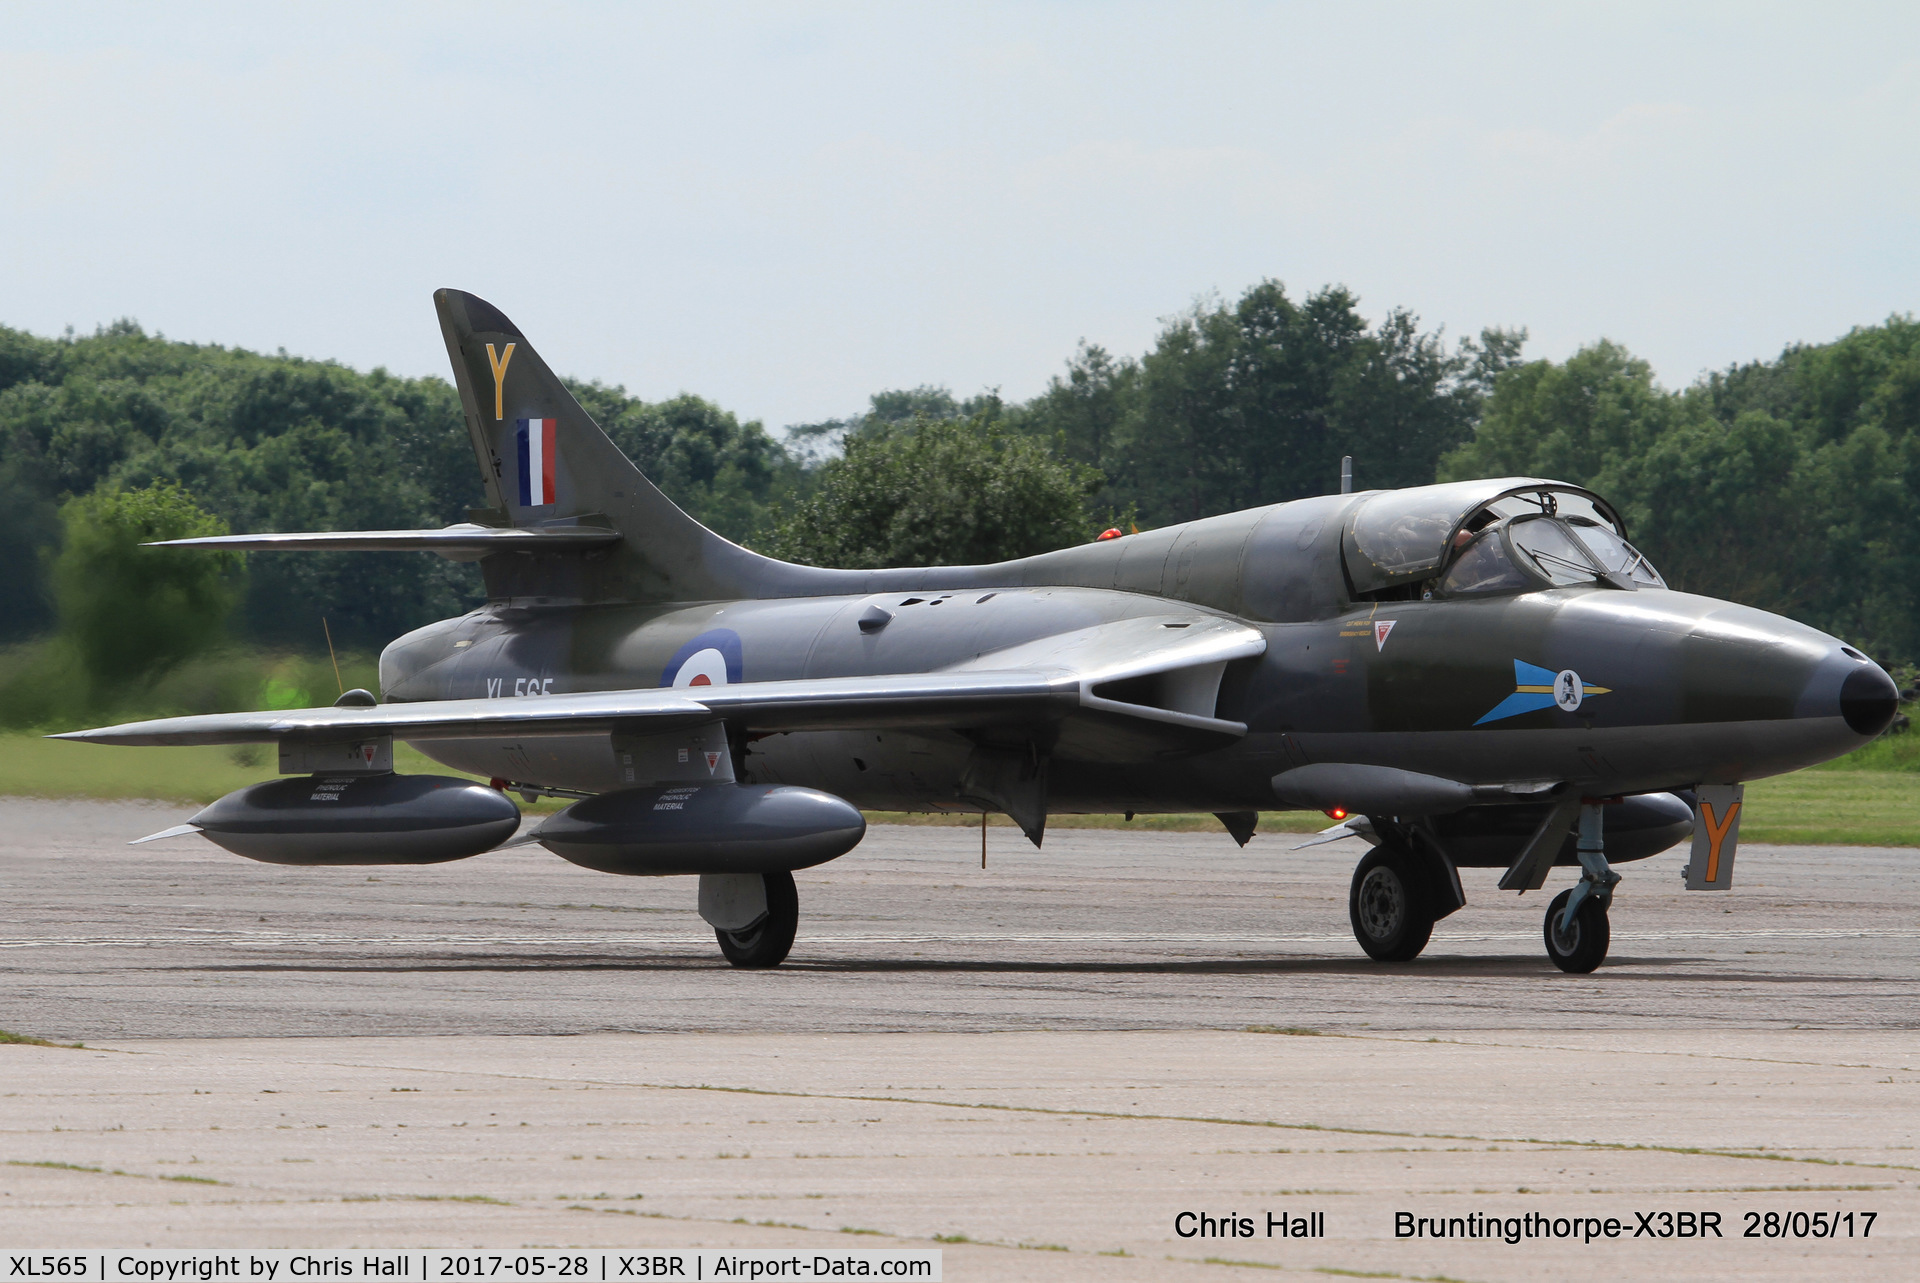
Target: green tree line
{"x":1787,"y":483}
{"x":282,"y":443}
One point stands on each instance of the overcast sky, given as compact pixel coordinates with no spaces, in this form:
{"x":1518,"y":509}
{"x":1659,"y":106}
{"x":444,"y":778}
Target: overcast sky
{"x":787,"y":207}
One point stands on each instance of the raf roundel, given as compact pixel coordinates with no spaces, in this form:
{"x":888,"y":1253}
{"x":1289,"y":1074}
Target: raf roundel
{"x":703,"y":668}
{"x":711,"y":659}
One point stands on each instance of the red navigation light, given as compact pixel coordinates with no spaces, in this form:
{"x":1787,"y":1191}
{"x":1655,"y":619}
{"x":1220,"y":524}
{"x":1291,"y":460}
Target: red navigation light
{"x":1112,"y":532}
{"x":1338,"y":813}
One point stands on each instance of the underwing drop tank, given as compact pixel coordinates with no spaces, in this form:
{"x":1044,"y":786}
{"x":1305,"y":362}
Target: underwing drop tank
{"x":1636,"y":827}
{"x":360,"y":819}
{"x":704,"y":828}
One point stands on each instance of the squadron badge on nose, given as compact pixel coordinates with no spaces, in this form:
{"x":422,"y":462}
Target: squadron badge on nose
{"x":1535,"y":688}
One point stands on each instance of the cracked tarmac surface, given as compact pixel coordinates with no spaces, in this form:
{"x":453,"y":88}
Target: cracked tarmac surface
{"x":1051,"y":1054}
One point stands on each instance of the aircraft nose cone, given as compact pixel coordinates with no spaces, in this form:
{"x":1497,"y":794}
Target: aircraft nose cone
{"x":1868,"y":700}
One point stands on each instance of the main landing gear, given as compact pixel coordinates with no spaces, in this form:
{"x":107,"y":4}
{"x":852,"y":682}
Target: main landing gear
{"x":1400,"y":889}
{"x":1388,"y":906}
{"x":753,"y":915}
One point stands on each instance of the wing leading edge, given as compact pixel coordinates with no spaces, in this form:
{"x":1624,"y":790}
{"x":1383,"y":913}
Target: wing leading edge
{"x":463,"y":542}
{"x":1160,"y":675}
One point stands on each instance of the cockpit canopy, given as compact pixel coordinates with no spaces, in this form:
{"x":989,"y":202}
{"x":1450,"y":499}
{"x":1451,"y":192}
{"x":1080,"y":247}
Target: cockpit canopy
{"x":1504,"y":534}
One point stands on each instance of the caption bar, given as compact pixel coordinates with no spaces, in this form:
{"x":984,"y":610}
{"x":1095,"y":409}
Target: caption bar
{"x":598,"y":1265}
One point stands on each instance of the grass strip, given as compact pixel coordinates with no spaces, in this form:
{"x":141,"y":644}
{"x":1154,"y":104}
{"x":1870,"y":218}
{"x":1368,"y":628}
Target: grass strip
{"x":28,"y":1040}
{"x":110,"y":1171}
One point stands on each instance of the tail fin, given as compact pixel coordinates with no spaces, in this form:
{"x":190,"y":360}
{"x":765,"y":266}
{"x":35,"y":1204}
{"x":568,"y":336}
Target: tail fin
{"x":547,"y":463}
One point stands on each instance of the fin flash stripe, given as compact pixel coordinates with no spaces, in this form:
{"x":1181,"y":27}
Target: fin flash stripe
{"x":534,"y":440}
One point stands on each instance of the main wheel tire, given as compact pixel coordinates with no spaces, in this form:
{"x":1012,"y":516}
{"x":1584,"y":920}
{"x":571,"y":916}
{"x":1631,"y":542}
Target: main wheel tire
{"x":767,"y":942}
{"x":1388,"y":906}
{"x":1583,"y":945}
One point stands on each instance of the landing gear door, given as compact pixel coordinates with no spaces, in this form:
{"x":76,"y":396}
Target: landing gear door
{"x":1716,"y":833}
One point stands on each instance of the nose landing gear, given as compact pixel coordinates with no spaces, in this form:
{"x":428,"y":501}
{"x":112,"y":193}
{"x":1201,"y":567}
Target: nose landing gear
{"x":1576,"y":927}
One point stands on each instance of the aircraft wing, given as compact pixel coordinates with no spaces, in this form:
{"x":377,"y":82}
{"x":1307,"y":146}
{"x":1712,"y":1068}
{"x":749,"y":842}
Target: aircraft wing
{"x":1156,"y":676}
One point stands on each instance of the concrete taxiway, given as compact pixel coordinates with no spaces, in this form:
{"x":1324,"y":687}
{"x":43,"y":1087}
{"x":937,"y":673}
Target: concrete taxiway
{"x":1038,"y":1063}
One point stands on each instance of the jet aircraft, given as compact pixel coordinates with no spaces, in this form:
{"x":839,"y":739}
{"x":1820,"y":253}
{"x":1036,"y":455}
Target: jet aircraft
{"x":1475,"y":674}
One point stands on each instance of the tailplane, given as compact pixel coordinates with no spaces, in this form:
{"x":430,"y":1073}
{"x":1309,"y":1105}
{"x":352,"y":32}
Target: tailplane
{"x":569,"y":518}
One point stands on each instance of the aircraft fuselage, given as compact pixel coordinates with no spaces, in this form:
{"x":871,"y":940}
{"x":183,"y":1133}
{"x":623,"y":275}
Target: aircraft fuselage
{"x":1632,"y":691}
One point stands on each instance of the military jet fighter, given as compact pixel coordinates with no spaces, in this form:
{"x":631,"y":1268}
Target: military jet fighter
{"x":1476,"y":674}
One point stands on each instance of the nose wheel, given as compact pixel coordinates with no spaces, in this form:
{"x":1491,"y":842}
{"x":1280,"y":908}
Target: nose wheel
{"x":1576,"y":928}
{"x":1578,"y":945}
